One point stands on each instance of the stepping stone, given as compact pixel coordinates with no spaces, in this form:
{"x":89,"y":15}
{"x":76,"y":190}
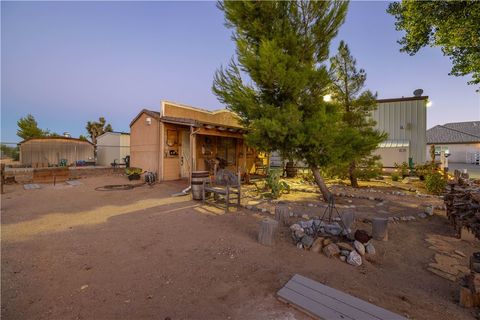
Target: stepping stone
{"x":73,"y":182}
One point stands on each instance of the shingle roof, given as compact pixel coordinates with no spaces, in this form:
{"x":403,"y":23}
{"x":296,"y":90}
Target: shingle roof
{"x":455,"y":132}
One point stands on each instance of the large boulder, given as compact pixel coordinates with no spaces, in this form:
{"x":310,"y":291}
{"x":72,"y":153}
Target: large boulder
{"x":359,"y":247}
{"x":331,"y":250}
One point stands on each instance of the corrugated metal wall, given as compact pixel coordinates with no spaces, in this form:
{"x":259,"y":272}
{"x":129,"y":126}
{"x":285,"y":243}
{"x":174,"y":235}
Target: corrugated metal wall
{"x":405,"y":120}
{"x":51,"y":151}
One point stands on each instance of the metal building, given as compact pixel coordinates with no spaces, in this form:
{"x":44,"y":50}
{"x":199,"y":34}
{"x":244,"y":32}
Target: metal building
{"x":405,"y":122}
{"x":48,"y":151}
{"x":112,"y":146}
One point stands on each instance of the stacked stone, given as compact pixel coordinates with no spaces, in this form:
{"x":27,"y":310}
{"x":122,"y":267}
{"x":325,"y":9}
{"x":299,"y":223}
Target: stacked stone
{"x":470,"y":290}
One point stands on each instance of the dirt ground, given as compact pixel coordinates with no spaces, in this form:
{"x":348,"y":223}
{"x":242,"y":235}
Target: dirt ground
{"x":76,"y":253}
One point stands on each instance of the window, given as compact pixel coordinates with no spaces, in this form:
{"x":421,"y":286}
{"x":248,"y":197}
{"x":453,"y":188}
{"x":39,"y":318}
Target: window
{"x":439,"y":149}
{"x":227,"y":150}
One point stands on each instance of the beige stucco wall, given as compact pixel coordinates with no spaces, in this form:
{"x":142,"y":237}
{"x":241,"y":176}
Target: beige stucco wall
{"x":144,"y":144}
{"x":405,"y":120}
{"x":390,"y":156}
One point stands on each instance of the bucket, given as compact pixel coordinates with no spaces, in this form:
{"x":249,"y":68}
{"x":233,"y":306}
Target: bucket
{"x":197,"y":183}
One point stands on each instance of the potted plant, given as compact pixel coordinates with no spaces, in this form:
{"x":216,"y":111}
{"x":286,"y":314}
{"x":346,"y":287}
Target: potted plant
{"x":133,"y":173}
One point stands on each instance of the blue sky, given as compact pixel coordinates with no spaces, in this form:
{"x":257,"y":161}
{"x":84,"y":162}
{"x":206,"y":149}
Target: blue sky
{"x":71,"y":62}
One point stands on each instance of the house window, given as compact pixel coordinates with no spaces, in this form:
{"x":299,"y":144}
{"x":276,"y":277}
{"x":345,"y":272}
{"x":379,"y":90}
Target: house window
{"x":227,"y":150}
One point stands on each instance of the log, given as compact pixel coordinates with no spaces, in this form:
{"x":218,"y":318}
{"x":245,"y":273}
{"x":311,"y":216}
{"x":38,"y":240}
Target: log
{"x":282,"y":214}
{"x":268,"y":228}
{"x":380,"y":229}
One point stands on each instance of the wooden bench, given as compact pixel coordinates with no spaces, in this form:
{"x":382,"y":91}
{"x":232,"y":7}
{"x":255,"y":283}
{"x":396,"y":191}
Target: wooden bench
{"x":323,"y":302}
{"x":227,"y":184}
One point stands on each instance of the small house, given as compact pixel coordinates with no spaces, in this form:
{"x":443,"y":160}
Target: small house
{"x":180,"y":139}
{"x":112,"y":147}
{"x":459,"y":140}
{"x":52,"y":151}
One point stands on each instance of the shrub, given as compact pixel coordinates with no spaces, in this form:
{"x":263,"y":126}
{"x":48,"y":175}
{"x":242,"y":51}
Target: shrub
{"x":422,"y":170}
{"x":275,"y":185}
{"x":403,"y":168}
{"x":395,"y":176}
{"x":133,"y":170}
{"x":435,"y":183}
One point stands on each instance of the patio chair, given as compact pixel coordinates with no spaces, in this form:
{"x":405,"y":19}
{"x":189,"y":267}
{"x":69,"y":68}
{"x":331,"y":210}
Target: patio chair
{"x":227,"y":185}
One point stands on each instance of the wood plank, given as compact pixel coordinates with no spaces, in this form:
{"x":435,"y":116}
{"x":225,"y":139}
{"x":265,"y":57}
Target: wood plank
{"x":331,"y":302}
{"x":349,"y":299}
{"x":318,"y":299}
{"x":309,"y":306}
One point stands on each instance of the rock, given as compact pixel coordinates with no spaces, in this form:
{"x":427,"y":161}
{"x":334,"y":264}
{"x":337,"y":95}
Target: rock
{"x":371,"y":198}
{"x":354,"y":259}
{"x":299,"y":245}
{"x":311,"y":205}
{"x":326,"y":241}
{"x":345,"y":246}
{"x":362,"y":236}
{"x":460,"y":253}
{"x":307,"y":241}
{"x":85,"y":286}
{"x":343,"y":258}
{"x":422,"y":215}
{"x":359,"y":247}
{"x":306,"y":224}
{"x":317,"y":245}
{"x":334,"y":229}
{"x":370,"y":249}
{"x":429,"y":210}
{"x":249,"y":207}
{"x":305,"y":216}
{"x":331,"y":250}
{"x":344,"y":253}
{"x":299,"y":234}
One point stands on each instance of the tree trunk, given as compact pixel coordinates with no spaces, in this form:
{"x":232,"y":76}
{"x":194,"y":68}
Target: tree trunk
{"x":351,"y":174}
{"x":321,"y":184}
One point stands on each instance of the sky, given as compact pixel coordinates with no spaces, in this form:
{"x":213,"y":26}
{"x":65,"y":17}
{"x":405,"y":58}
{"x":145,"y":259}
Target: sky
{"x":71,"y":62}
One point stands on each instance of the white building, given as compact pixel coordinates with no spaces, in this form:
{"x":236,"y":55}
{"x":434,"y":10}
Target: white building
{"x":112,"y":146}
{"x":460,"y":140}
{"x":405,"y":122}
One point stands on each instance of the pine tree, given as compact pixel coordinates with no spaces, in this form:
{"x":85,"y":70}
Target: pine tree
{"x":360,"y":137}
{"x":28,"y":128}
{"x":282,"y":47}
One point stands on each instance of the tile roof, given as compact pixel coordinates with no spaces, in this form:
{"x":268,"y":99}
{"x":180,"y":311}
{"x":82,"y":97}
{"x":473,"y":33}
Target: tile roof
{"x":455,"y":132}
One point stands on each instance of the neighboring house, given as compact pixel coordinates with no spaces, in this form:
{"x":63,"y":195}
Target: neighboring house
{"x":405,"y":122}
{"x":112,"y":146}
{"x":461,"y":140}
{"x":55,"y":150}
{"x":180,"y":139}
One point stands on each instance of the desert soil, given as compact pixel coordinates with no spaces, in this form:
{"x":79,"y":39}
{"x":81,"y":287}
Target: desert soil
{"x":76,"y":253}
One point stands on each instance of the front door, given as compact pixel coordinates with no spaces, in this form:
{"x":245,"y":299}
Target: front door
{"x":185,"y":156}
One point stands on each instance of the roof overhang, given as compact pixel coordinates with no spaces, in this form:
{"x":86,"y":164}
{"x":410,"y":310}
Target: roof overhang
{"x":394,"y":144}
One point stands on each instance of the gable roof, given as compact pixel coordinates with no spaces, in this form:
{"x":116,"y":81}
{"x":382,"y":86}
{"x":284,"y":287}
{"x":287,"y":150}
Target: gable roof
{"x":455,"y":132}
{"x":153,"y":114}
{"x":56,"y":138}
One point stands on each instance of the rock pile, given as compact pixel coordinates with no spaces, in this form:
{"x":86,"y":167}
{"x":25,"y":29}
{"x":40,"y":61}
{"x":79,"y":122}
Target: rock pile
{"x":320,"y":237}
{"x":470,"y":289}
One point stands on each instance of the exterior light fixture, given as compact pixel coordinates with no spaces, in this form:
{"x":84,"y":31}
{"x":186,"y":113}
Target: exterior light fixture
{"x":327,"y":98}
{"x":429,"y":103}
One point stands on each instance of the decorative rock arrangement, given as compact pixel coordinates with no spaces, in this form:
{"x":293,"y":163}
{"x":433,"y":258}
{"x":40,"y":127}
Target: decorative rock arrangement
{"x":470,"y":290}
{"x":320,"y":237}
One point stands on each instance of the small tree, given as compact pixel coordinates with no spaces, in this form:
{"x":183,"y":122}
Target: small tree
{"x":97,"y":128}
{"x":451,"y":25}
{"x":282,"y":46}
{"x":359,"y":136}
{"x":28,"y":128}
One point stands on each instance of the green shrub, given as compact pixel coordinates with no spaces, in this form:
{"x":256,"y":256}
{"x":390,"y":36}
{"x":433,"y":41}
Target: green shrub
{"x":275,"y":185}
{"x":435,"y":183}
{"x":133,"y":170}
{"x":422,"y":170}
{"x":395,"y":176}
{"x":403,"y":168}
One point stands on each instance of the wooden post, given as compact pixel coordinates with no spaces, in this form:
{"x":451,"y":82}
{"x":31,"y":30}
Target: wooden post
{"x":2,"y":181}
{"x":379,"y":229}
{"x":268,"y":228}
{"x":282,"y":214}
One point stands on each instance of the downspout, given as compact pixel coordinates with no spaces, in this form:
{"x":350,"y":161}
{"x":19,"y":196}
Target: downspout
{"x":192,"y":150}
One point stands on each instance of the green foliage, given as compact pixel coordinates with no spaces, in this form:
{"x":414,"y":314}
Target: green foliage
{"x":395,"y":176}
{"x":368,"y":168}
{"x":133,"y":170}
{"x":451,"y":25}
{"x":275,"y":185}
{"x":28,"y":128}
{"x":403,"y":168}
{"x":435,"y":183}
{"x":282,"y":47}
{"x":432,"y":153}
{"x":359,"y":136}
{"x":10,"y":152}
{"x":306,"y":176}
{"x":97,"y":128}
{"x":82,"y":137}
{"x":422,"y":170}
